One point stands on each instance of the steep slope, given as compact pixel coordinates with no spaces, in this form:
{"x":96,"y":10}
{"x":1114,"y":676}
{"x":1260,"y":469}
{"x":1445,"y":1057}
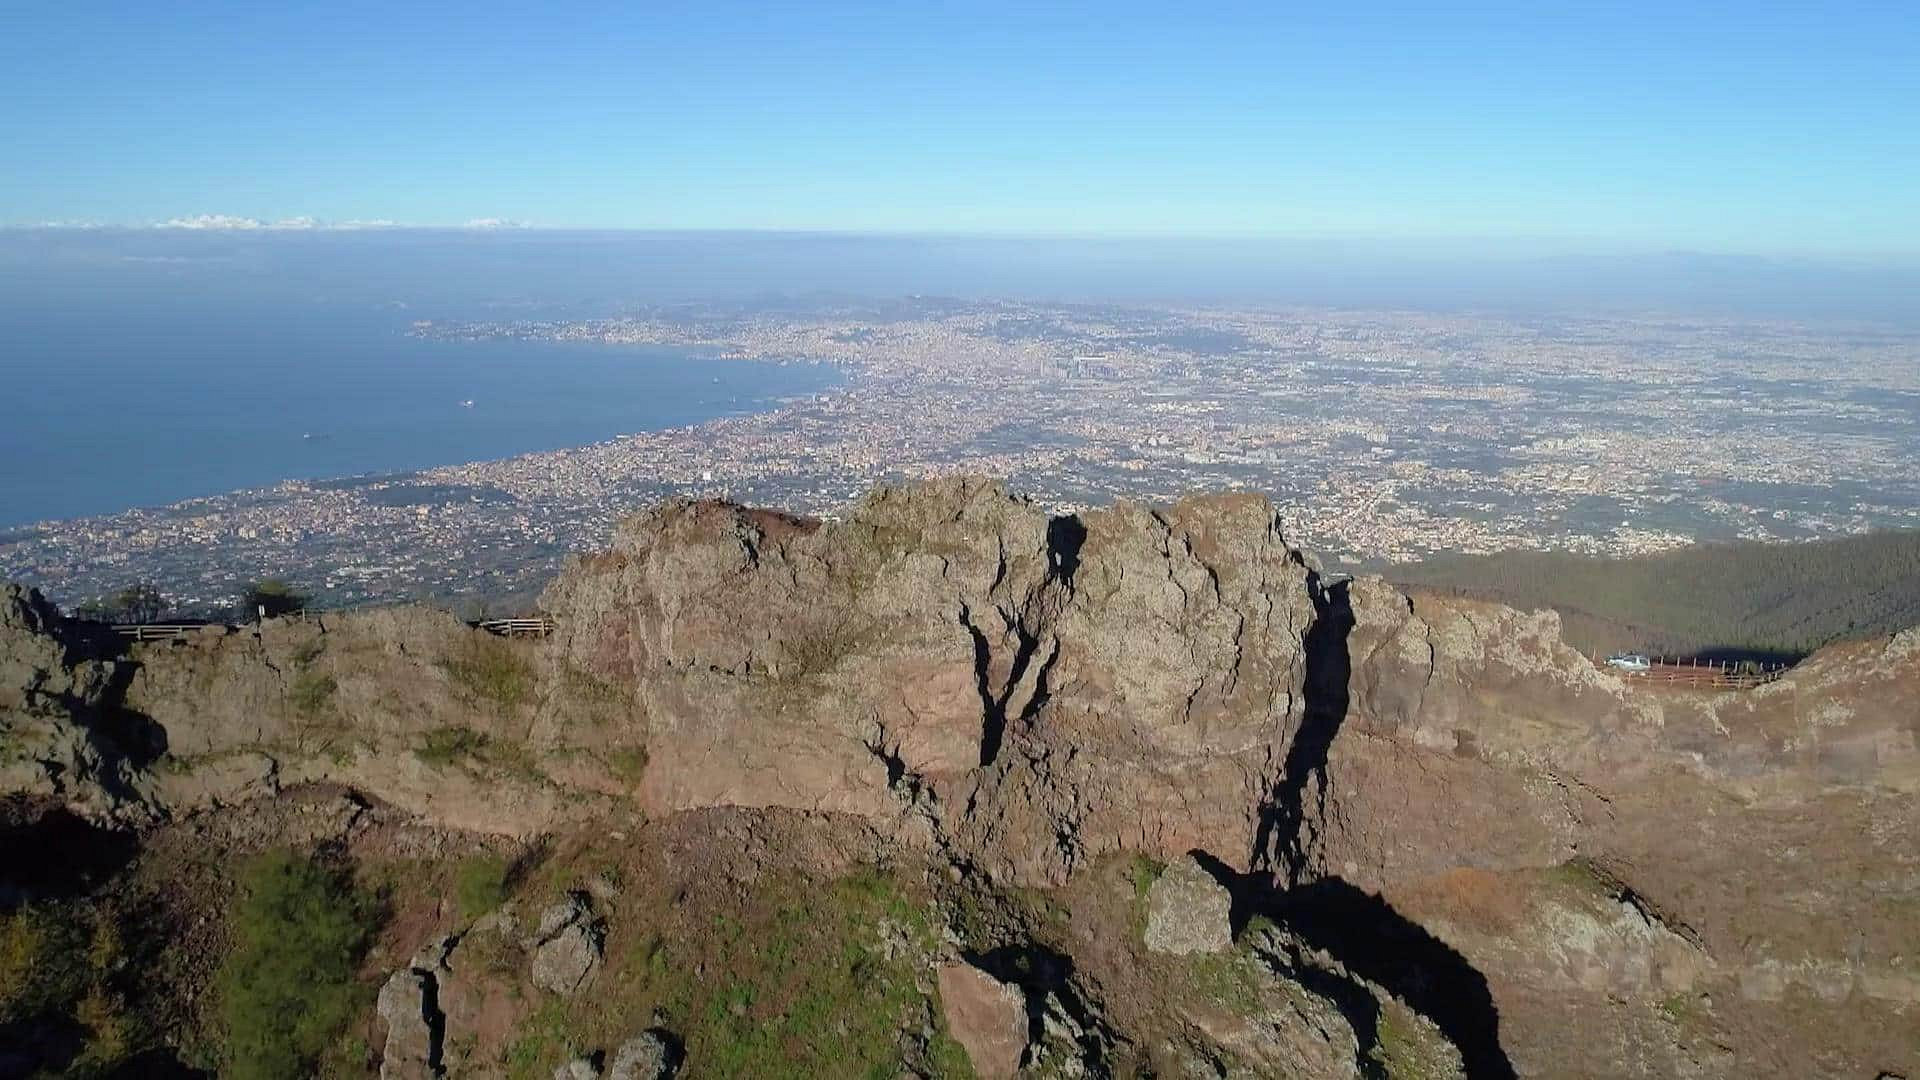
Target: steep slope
{"x":1739,"y":596}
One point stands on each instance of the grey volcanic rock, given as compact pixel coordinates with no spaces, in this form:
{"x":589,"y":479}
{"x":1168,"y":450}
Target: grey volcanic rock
{"x":1188,"y":911}
{"x":651,"y":1055}
{"x":405,"y":1006}
{"x":567,"y":946}
{"x":64,"y":734}
{"x":987,"y":1017}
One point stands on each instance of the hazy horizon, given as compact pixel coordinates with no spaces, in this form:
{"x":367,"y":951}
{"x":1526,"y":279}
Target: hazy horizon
{"x":611,"y":269}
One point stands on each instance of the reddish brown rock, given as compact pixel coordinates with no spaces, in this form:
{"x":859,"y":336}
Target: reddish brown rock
{"x":987,"y":1017}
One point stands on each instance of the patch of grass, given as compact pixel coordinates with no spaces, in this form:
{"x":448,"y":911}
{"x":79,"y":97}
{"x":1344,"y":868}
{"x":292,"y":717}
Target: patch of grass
{"x":287,"y":988}
{"x":311,"y":692}
{"x":820,"y":649}
{"x":447,"y":745}
{"x":589,"y":690}
{"x":1230,"y":980}
{"x":305,"y":653}
{"x":489,"y":669}
{"x":480,"y":885}
{"x":493,"y":952}
{"x":38,"y":949}
{"x":466,"y":747}
{"x":1142,"y":870}
{"x":1581,"y":875}
{"x":629,"y":764}
{"x":802,"y":979}
{"x":1258,"y":926}
{"x":1682,"y":1010}
{"x":1408,"y":1047}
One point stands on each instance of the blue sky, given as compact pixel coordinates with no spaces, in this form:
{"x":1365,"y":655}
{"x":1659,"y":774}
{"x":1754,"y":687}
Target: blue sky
{"x":1752,"y":128}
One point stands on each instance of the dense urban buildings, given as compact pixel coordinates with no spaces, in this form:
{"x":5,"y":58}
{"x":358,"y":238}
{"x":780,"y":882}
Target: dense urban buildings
{"x":1381,"y":437}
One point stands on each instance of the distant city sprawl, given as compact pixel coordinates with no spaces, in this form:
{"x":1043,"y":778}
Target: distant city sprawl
{"x":1381,"y":437}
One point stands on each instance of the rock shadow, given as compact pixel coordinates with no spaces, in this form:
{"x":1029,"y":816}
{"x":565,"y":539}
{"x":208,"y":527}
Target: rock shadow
{"x":1358,"y":929}
{"x":1065,"y":536}
{"x":1042,"y":973}
{"x":1329,"y":667}
{"x":47,"y":852}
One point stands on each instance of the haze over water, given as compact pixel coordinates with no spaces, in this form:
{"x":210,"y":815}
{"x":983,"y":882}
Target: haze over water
{"x":123,"y":405}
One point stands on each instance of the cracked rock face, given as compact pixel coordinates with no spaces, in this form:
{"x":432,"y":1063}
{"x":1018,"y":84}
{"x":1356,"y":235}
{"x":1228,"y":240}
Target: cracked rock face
{"x":1188,"y":911}
{"x":1025,"y":690}
{"x":63,"y":732}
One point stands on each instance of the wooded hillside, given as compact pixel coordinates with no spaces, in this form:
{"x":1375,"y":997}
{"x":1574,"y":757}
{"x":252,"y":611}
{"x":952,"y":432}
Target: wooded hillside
{"x":1731,"y":597}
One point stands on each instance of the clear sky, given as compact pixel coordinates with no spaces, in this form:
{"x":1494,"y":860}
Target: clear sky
{"x":1751,"y":127}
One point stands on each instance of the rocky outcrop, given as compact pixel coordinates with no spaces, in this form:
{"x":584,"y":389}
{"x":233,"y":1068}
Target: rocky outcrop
{"x":566,"y":947}
{"x":406,"y":1006}
{"x":64,"y":734}
{"x":1188,"y":911}
{"x":1434,"y":794}
{"x":1023,"y":691}
{"x":987,"y":1017}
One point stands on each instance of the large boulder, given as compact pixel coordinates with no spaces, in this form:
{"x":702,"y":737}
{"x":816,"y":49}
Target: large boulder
{"x":1188,"y":911}
{"x":567,"y":945}
{"x":651,"y":1055}
{"x":987,"y":1017}
{"x":406,"y":1007}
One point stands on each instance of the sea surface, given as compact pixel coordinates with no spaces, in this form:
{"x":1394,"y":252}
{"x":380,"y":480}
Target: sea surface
{"x":130,"y":401}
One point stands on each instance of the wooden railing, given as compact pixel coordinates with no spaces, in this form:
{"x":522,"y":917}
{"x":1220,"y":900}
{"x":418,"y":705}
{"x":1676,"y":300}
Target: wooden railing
{"x":539,"y":626}
{"x":536,"y":626}
{"x":1705,"y":674}
{"x":156,"y":631}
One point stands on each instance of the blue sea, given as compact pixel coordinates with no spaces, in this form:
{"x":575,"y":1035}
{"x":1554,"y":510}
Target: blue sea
{"x":115,"y":402}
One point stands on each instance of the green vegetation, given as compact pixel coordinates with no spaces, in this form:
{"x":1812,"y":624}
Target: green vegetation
{"x":1142,"y":870}
{"x":64,"y":966}
{"x":311,"y":692}
{"x":489,"y":669}
{"x":272,"y":596}
{"x":133,"y":604}
{"x":628,"y":763}
{"x":821,"y":981}
{"x":287,"y":988}
{"x":463,"y":746}
{"x":1231,"y":980}
{"x":447,"y":745}
{"x":1754,"y":597}
{"x":1408,"y":1047}
{"x":480,"y":884}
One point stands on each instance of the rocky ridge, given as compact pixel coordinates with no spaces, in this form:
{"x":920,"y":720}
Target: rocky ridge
{"x":1432,"y":804}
